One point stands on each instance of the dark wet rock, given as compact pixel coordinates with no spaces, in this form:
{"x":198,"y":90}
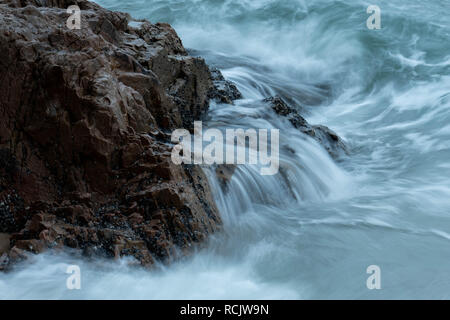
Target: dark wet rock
{"x":224,"y":90}
{"x":224,"y":173}
{"x":283,"y":109}
{"x":4,"y":243}
{"x":322,"y":134}
{"x":329,"y":140}
{"x":84,"y":135}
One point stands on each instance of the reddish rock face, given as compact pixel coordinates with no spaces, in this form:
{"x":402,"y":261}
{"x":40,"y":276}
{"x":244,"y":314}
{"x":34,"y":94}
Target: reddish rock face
{"x":86,"y":117}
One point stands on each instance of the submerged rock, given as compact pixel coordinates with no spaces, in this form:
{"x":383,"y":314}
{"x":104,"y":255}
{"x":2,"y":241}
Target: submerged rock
{"x":224,"y":173}
{"x":322,"y":134}
{"x":224,"y":90}
{"x":84,"y":134}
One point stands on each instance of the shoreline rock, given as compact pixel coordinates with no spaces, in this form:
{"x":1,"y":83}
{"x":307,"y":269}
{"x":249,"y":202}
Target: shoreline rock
{"x":334,"y":145}
{"x":84,"y":137}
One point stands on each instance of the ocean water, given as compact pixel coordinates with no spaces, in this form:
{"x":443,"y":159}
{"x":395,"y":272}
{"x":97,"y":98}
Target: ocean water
{"x":311,"y":231}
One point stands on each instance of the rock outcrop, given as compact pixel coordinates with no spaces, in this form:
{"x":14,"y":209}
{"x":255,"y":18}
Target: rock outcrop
{"x":86,"y":117}
{"x":322,"y":134}
{"x":224,"y":91}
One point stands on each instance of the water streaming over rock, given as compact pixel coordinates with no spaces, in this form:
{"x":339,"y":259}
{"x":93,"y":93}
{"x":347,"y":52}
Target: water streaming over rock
{"x":312,"y":230}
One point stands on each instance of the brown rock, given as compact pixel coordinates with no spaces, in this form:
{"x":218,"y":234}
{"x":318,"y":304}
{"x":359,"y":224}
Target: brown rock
{"x":85,"y":132}
{"x":33,"y":245}
{"x":4,"y":243}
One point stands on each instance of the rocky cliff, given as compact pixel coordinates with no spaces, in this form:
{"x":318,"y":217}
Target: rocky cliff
{"x":86,"y":117}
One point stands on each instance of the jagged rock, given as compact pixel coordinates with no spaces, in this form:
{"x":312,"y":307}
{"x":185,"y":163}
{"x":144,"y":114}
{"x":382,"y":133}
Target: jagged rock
{"x":322,"y":134}
{"x":224,"y":90}
{"x":85,"y":132}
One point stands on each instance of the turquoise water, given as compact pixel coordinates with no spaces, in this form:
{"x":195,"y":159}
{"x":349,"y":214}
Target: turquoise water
{"x":312,"y":231}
